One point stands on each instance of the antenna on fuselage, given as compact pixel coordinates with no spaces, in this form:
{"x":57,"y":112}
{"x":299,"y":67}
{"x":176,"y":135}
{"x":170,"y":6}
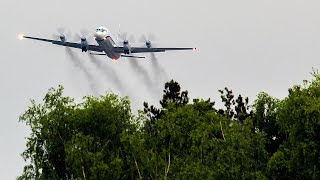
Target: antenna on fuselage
{"x":119,"y":33}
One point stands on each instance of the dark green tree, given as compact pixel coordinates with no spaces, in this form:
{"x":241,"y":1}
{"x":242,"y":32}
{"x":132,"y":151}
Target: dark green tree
{"x":101,"y":139}
{"x":172,"y":94}
{"x":195,"y":141}
{"x":298,"y":118}
{"x":237,"y":109}
{"x":265,"y":120}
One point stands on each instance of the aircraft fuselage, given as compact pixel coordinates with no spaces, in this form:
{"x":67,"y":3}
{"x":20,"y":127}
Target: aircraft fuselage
{"x":107,"y":44}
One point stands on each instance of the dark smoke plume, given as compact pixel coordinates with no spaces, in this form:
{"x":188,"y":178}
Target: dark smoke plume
{"x":78,"y":63}
{"x":108,"y":72}
{"x":142,"y":72}
{"x":160,"y":74}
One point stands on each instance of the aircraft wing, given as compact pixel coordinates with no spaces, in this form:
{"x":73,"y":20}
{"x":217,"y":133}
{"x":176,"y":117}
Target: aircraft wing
{"x":95,"y":48}
{"x":146,"y":49}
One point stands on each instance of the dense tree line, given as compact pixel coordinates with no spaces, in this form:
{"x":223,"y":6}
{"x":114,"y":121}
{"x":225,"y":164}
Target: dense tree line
{"x":101,"y":138}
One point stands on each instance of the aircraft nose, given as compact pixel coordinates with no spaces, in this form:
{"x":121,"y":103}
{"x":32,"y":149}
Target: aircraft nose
{"x":98,"y":35}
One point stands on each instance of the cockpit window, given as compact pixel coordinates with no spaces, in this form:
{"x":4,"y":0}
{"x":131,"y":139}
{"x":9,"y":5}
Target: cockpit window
{"x":100,"y":29}
{"x":104,"y":30}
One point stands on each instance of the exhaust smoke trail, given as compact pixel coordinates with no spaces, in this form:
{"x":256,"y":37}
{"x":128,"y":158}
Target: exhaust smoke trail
{"x":142,"y":72}
{"x":108,"y":72}
{"x":80,"y":65}
{"x":160,"y":74}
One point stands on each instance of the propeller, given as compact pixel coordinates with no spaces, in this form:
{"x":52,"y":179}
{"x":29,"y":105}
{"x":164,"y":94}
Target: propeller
{"x":148,"y":40}
{"x":125,"y":39}
{"x":83,"y":35}
{"x":62,"y":34}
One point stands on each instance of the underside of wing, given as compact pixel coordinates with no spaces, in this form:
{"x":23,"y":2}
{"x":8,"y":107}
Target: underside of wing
{"x":89,"y":47}
{"x":148,"y":50}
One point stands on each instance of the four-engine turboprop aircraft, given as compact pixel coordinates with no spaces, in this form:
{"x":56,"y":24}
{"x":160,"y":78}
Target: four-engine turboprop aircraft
{"x":106,"y":45}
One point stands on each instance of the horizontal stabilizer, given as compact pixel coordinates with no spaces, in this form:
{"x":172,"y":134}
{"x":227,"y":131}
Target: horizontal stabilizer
{"x":98,"y":54}
{"x":132,"y":56}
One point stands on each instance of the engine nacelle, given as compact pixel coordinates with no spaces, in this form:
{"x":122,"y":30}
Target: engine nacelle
{"x":84,"y":45}
{"x":126,"y":47}
{"x":148,"y":44}
{"x":63,"y":38}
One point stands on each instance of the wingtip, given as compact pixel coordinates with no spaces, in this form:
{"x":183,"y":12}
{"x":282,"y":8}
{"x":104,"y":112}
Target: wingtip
{"x":21,"y":36}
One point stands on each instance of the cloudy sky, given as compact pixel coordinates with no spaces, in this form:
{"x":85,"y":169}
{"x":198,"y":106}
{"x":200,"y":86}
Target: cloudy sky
{"x":247,"y":45}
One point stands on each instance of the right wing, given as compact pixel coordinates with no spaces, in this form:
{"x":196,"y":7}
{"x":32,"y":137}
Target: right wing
{"x":66,"y":44}
{"x":147,"y":50}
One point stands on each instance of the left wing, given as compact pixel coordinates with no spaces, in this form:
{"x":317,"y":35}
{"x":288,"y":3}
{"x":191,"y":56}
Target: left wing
{"x":67,"y":44}
{"x":146,"y":49}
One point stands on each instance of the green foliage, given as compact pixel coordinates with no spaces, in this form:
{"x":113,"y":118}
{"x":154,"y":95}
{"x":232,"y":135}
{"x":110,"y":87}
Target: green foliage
{"x":100,"y":138}
{"x":299,"y":119}
{"x":265,"y":120}
{"x":237,"y":109}
{"x":70,"y":140}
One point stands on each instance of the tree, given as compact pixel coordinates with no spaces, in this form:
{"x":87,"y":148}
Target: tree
{"x":265,"y":120}
{"x":101,"y":139}
{"x":298,"y":118}
{"x":172,"y":95}
{"x":80,"y":141}
{"x":194,"y":140}
{"x":237,"y":109}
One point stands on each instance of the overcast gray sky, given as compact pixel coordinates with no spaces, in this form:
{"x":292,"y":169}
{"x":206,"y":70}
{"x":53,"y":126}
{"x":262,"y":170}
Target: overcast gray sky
{"x":247,"y":45}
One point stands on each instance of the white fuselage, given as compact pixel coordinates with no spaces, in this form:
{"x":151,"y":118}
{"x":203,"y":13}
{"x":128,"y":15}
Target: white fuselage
{"x":103,"y":38}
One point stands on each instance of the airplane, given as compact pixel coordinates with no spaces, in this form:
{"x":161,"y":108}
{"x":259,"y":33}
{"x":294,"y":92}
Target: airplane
{"x":106,"y":45}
